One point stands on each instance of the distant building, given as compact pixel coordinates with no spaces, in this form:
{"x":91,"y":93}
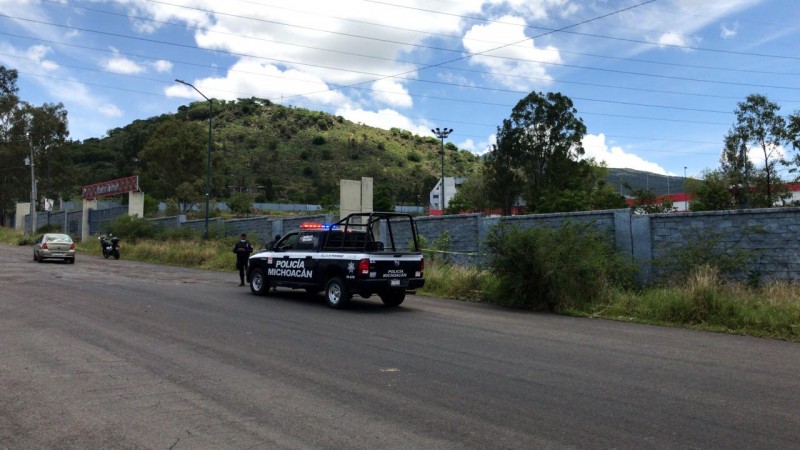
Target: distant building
{"x":451,"y":186}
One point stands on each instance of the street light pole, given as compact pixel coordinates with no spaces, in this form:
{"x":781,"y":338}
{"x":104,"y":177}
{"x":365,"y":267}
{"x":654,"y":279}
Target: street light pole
{"x":442,"y":134}
{"x":33,"y":192}
{"x":208,"y":162}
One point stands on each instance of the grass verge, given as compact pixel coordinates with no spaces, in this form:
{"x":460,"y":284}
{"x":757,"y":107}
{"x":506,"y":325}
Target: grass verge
{"x":704,"y":301}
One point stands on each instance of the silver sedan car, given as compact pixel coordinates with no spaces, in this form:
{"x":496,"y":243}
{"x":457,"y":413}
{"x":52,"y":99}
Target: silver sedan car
{"x":54,"y":246}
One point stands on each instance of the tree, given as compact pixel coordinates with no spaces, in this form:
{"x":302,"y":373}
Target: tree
{"x":472,"y":195}
{"x":382,"y":200}
{"x":240,"y":203}
{"x":504,"y":180}
{"x":173,"y":162}
{"x":715,"y":192}
{"x":758,"y":123}
{"x":541,"y":144}
{"x":8,"y":99}
{"x":24,"y":130}
{"x":736,"y":168}
{"x":647,"y":202}
{"x":793,"y":135}
{"x":48,"y":129}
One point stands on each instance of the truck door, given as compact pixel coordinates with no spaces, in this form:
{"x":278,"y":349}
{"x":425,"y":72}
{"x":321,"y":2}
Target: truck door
{"x":294,"y":264}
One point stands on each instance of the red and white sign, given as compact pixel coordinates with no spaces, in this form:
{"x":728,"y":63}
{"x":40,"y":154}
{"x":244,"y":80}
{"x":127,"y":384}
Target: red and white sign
{"x":111,"y":188}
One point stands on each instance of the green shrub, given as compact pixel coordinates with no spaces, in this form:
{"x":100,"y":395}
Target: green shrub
{"x":132,"y":228}
{"x":179,"y":234}
{"x":711,"y":248}
{"x":318,"y":140}
{"x":554,"y":270}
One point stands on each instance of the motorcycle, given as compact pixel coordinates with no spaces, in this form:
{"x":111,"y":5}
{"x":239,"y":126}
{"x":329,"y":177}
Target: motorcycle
{"x":110,"y":246}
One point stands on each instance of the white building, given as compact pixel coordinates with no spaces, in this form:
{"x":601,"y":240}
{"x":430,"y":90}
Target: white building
{"x":451,"y":186}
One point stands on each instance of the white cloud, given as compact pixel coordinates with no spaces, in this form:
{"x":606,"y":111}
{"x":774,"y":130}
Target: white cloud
{"x":523,"y":59}
{"x":615,"y":157}
{"x":729,"y":32}
{"x":162,"y":66}
{"x":249,"y":77}
{"x":122,"y":65}
{"x":675,"y":39}
{"x":391,"y":93}
{"x":540,"y":10}
{"x":756,"y":155}
{"x":110,"y":110}
{"x":385,"y":119}
{"x":479,"y":148}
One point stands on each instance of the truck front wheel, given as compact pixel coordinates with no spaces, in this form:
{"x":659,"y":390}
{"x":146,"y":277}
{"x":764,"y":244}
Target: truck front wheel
{"x":336,"y":293}
{"x":393,"y":297}
{"x":258,"y":282}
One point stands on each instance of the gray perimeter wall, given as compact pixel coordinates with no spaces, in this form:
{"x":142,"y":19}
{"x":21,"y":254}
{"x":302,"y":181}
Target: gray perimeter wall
{"x":769,"y":238}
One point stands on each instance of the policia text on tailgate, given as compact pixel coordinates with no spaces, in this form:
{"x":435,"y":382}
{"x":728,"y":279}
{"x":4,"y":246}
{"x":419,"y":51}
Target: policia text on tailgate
{"x":364,"y":254}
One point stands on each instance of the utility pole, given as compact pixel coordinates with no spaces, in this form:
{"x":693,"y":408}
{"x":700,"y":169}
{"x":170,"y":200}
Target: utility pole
{"x":442,"y":134}
{"x":33,"y":191}
{"x":208,"y":160}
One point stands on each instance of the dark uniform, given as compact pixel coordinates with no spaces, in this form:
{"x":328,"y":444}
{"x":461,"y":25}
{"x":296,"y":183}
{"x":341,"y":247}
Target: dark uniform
{"x":243,"y":249}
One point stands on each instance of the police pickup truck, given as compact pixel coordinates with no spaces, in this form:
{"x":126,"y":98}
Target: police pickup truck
{"x":364,"y":254}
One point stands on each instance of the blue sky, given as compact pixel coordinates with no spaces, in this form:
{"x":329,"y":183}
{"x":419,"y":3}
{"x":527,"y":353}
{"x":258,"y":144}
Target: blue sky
{"x":656,"y":83}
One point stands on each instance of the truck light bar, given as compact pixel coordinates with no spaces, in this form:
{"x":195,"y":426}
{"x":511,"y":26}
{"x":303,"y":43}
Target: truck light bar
{"x":317,"y":226}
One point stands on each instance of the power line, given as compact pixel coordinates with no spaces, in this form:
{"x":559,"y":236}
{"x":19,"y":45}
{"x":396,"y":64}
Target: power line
{"x":685,"y":47}
{"x":483,"y":72}
{"x":399,"y":76}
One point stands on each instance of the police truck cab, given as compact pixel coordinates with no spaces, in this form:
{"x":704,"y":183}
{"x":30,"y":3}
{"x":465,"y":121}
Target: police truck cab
{"x":364,"y":254}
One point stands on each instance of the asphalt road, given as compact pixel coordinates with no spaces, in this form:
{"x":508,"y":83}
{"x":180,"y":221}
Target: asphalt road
{"x":121,"y":354}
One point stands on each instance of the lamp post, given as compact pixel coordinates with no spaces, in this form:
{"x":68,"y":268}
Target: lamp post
{"x":33,"y":189}
{"x":208,"y":163}
{"x":442,"y":134}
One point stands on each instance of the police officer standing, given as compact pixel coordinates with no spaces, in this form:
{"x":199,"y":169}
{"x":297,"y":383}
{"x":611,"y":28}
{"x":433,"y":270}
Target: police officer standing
{"x":243,"y":249}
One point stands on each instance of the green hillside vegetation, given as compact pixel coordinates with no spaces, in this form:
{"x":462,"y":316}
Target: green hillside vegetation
{"x":273,"y":152}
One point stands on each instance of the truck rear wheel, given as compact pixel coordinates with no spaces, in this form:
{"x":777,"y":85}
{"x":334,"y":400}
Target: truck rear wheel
{"x":258,"y":282}
{"x":336,"y":293}
{"x":393,"y":297}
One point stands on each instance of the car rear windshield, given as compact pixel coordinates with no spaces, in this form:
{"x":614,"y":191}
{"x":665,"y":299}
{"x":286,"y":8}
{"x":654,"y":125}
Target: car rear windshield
{"x":58,"y":238}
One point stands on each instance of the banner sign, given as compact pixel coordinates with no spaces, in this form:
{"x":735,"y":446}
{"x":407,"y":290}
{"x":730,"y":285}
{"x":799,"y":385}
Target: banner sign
{"x":111,"y":188}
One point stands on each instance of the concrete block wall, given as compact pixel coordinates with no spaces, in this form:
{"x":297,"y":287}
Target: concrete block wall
{"x":468,"y":231}
{"x":769,"y":238}
{"x":258,"y":229}
{"x":466,"y":234}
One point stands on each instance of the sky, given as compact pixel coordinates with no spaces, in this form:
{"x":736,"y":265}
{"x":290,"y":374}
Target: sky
{"x":655,"y":82}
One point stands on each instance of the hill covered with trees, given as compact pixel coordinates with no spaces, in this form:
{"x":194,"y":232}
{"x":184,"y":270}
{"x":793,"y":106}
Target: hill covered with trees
{"x":269,"y":152}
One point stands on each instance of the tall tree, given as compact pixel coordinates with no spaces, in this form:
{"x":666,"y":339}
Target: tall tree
{"x":758,"y":123}
{"x":715,"y":192}
{"x":504,"y":180}
{"x":48,"y":130}
{"x":173,"y":162}
{"x":12,"y":150}
{"x":735,"y":167}
{"x":24,"y":130}
{"x":793,"y":135}
{"x":542,"y":143}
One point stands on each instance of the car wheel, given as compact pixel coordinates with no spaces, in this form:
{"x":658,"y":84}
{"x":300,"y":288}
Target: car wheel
{"x":35,"y":258}
{"x":40,"y":259}
{"x":258,"y":282}
{"x":336,"y":293}
{"x":393,"y":297}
